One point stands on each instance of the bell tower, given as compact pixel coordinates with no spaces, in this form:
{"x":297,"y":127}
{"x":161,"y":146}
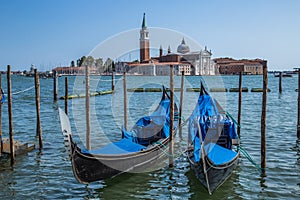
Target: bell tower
{"x":144,"y":42}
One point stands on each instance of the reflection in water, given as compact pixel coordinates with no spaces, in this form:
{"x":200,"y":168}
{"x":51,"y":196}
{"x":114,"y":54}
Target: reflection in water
{"x":165,"y":183}
{"x":262,"y":181}
{"x":124,"y":185}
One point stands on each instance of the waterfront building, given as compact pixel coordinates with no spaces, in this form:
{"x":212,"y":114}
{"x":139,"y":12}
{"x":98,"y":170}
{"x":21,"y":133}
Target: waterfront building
{"x":155,"y":68}
{"x":192,"y":63}
{"x":75,"y":70}
{"x":201,"y":61}
{"x":231,"y":66}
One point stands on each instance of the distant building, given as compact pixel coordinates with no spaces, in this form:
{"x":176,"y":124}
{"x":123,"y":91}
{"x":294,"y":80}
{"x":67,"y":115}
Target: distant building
{"x":201,"y":61}
{"x":156,"y":68}
{"x":192,"y":63}
{"x":231,"y":66}
{"x":144,"y":42}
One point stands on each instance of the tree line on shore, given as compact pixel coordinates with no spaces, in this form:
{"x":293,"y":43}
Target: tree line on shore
{"x":107,"y":66}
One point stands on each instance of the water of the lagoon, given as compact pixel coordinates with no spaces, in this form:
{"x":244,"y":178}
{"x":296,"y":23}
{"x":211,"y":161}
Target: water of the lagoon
{"x":48,"y":174}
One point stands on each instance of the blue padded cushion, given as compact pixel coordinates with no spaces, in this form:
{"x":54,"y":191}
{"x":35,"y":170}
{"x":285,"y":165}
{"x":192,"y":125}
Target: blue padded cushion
{"x":219,"y":155}
{"x":122,"y":146}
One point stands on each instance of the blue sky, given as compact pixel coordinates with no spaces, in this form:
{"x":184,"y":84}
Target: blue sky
{"x":50,"y":33}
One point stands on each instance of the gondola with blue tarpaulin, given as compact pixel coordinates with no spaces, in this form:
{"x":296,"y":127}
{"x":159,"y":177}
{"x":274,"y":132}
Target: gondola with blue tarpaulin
{"x":213,"y":142}
{"x":141,"y":149}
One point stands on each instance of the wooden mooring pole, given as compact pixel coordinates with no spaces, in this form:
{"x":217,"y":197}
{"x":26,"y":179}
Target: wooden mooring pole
{"x":263,"y":116}
{"x":171,"y":145}
{"x":87,"y":107}
{"x":280,"y":82}
{"x":66,"y":95}
{"x":125,"y":100}
{"x":10,"y":118}
{"x":55,"y":85}
{"x":181,"y":103}
{"x":37,"y":102}
{"x":240,"y":104}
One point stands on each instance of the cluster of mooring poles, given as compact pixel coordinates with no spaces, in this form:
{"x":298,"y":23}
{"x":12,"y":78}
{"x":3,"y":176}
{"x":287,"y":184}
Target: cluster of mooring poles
{"x":13,"y":145}
{"x":171,"y":147}
{"x":87,"y":95}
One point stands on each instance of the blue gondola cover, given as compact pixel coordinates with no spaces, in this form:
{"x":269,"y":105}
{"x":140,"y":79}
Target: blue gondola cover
{"x":149,"y":128}
{"x":213,"y":125}
{"x":120,"y":147}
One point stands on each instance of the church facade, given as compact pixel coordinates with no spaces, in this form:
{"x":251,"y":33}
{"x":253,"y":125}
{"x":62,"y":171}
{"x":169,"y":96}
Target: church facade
{"x":183,"y":61}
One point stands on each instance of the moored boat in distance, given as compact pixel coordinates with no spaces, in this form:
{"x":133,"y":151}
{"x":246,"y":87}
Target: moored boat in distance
{"x":285,"y":74}
{"x":141,"y":149}
{"x":213,"y":143}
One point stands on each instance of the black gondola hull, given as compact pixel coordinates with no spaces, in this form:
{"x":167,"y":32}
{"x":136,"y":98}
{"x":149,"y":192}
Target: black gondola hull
{"x":88,"y":168}
{"x":216,"y":174}
{"x":151,"y":134}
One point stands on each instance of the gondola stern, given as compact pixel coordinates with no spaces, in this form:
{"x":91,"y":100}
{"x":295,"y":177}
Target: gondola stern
{"x":66,"y":130}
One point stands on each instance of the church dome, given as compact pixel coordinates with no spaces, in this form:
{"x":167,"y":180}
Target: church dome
{"x":183,"y":48}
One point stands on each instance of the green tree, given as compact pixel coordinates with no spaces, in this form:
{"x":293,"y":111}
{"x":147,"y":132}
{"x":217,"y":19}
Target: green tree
{"x":113,"y":66}
{"x":81,"y":60}
{"x":99,"y":65}
{"x":90,"y":60}
{"x":108,"y":65}
{"x":72,"y":63}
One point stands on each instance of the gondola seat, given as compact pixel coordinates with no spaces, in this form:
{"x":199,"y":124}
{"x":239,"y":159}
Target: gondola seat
{"x":123,"y":146}
{"x":218,"y":154}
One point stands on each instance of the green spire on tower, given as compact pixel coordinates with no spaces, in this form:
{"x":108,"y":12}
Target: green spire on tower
{"x":144,"y":22}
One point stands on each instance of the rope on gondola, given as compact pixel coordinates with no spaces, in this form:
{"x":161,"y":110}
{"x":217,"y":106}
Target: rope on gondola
{"x":164,"y":146}
{"x":245,"y":153}
{"x":229,"y":115}
{"x":184,"y":122}
{"x":177,"y":116}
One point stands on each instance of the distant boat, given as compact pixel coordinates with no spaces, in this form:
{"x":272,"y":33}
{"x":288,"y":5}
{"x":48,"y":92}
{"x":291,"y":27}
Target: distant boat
{"x":142,"y":148}
{"x":213,"y":154}
{"x":283,"y":75}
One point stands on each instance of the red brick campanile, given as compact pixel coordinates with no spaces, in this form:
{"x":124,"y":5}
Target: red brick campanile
{"x":144,"y":42}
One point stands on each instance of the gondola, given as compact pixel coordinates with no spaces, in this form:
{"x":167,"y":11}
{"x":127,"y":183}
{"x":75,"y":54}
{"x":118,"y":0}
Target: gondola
{"x":141,"y":149}
{"x":213,"y":154}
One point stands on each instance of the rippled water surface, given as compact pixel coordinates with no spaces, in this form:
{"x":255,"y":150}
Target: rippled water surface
{"x":48,"y":174}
